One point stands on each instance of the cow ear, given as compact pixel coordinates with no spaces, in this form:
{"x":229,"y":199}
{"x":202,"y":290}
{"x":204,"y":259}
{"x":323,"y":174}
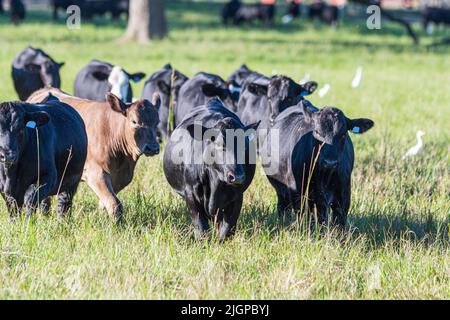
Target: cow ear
{"x":36,"y":119}
{"x":116,"y":104}
{"x":210,"y":90}
{"x":257,"y":89}
{"x":308,"y":88}
{"x":163,"y":87}
{"x":196,"y":131}
{"x":359,"y":126}
{"x":136,"y":77}
{"x":60,"y":65}
{"x":32,"y":67}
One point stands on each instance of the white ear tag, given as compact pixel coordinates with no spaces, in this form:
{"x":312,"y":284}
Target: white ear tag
{"x":31,"y":124}
{"x":356,"y":130}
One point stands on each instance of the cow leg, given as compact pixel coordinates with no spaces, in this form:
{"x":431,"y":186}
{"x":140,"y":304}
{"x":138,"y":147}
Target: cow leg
{"x":102,"y":186}
{"x":341,"y":206}
{"x":198,"y":217}
{"x":227,"y":227}
{"x":35,"y":193}
{"x":13,"y":206}
{"x":46,"y":205}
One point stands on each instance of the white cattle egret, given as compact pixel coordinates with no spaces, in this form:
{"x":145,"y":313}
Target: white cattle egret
{"x":287,"y":18}
{"x":323,"y":91}
{"x":357,"y":79}
{"x":417,"y":148}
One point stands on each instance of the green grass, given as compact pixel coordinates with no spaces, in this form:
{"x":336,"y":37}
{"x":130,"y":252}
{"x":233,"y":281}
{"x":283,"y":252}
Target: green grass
{"x":397,"y":241}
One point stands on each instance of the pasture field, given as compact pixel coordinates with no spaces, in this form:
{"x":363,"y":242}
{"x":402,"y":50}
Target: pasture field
{"x":396,"y":245}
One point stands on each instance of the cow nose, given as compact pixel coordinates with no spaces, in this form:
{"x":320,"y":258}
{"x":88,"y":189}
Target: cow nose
{"x":235,"y":179}
{"x":330,"y":164}
{"x":7,"y":158}
{"x":151,"y":150}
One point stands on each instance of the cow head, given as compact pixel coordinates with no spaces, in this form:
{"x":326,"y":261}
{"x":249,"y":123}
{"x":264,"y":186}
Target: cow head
{"x":240,"y":75}
{"x":118,"y":79}
{"x":282,"y":92}
{"x":14,"y":120}
{"x":223,"y":92}
{"x":47,"y":70}
{"x":141,"y":123}
{"x":224,"y":158}
{"x":329,"y":127}
{"x":163,"y":81}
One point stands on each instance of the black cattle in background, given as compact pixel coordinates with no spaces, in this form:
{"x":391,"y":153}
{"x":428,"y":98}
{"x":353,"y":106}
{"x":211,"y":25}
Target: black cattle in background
{"x":33,"y":69}
{"x":98,"y":78}
{"x":28,"y":180}
{"x":435,"y":15}
{"x":264,"y":98}
{"x":324,"y":12}
{"x":161,"y":82}
{"x":239,"y":13}
{"x":91,"y":8}
{"x":2,"y":10}
{"x":312,"y":159}
{"x":198,"y":90}
{"x":213,"y":189}
{"x":17,"y":11}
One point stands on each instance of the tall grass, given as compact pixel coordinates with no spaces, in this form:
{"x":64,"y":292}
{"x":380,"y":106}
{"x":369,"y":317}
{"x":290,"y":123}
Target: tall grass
{"x":397,"y":241}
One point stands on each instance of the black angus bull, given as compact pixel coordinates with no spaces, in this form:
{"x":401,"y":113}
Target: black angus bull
{"x":214,"y":169}
{"x":198,"y":90}
{"x":91,"y":8}
{"x":26,"y":179}
{"x":239,"y":79}
{"x":312,"y":160}
{"x":161,"y":82}
{"x":324,"y":12}
{"x":265,"y":98}
{"x":98,"y":78}
{"x":435,"y":15}
{"x":238,"y":12}
{"x":33,"y":69}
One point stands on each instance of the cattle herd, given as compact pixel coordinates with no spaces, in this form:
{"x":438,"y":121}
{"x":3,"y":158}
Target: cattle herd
{"x":50,"y":140}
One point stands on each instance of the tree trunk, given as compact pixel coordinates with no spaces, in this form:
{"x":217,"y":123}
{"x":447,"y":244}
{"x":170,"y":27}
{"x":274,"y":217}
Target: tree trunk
{"x":146,"y":20}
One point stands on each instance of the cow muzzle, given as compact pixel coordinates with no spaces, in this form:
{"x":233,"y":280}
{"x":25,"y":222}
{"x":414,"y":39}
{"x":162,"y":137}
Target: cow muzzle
{"x":235,"y":179}
{"x":8,"y":159}
{"x":151,"y":150}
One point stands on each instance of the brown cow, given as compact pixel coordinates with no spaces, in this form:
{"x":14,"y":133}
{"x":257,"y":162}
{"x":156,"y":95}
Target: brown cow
{"x":118,"y":134}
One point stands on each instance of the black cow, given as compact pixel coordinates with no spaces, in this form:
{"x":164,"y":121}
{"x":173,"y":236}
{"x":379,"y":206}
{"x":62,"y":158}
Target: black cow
{"x":435,"y":15}
{"x":239,"y":13}
{"x":198,"y":90}
{"x":264,"y":98}
{"x":91,"y":8}
{"x":98,"y":78}
{"x":33,"y":69}
{"x":324,"y":12}
{"x":295,"y":168}
{"x":17,"y":11}
{"x":161,"y":82}
{"x":212,"y":173}
{"x":62,"y":150}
